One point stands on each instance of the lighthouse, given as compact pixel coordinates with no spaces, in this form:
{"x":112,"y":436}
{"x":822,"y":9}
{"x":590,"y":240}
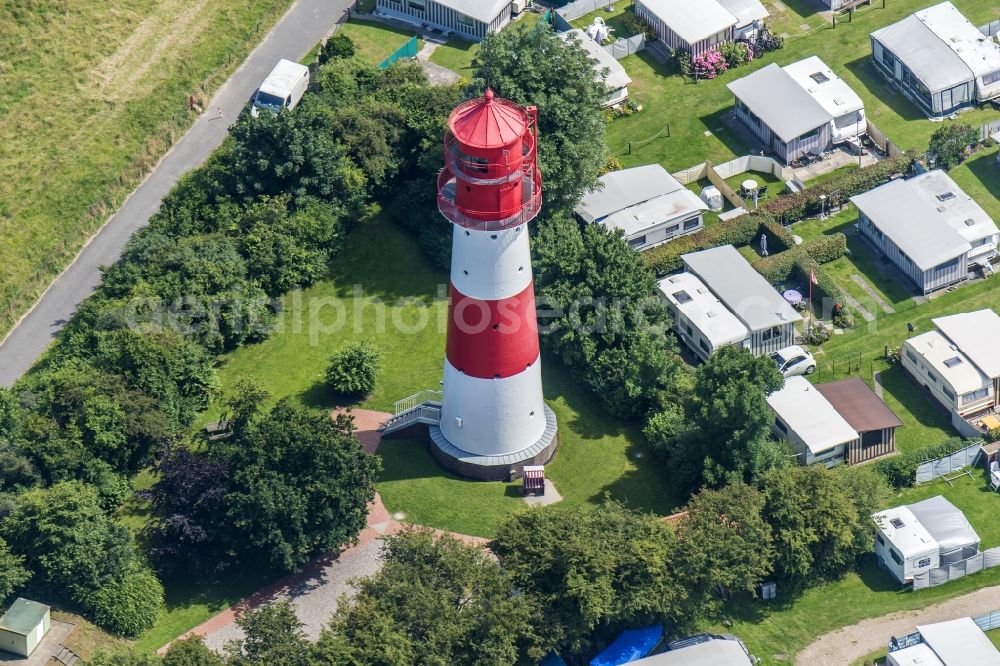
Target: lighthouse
{"x":492,"y":415}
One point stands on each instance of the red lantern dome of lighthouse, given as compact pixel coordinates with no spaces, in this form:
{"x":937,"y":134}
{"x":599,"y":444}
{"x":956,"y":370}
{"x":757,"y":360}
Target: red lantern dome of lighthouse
{"x":488,"y":122}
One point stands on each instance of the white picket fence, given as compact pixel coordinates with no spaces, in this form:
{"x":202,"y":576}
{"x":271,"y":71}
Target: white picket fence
{"x":934,"y":577}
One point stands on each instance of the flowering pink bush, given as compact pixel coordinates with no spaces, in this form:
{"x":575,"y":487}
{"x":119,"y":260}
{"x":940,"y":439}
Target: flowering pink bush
{"x":709,"y":65}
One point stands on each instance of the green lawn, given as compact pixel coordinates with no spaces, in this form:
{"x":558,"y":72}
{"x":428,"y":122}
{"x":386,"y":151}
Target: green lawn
{"x":92,"y":94}
{"x":776,"y":631}
{"x":691,"y":109}
{"x":376,"y":41}
{"x":457,"y":54}
{"x":613,"y":18}
{"x":596,"y":454}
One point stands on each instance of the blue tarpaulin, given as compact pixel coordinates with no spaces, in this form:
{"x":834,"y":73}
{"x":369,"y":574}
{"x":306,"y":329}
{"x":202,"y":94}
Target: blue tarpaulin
{"x":631,"y":645}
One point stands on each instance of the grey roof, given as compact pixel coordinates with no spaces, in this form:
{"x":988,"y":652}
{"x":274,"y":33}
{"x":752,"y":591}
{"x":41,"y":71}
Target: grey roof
{"x":780,"y":102}
{"x":977,"y":335}
{"x":960,"y":643}
{"x":481,"y":10}
{"x":741,"y":288}
{"x":945,"y":522}
{"x":904,"y":214}
{"x":717,"y":652}
{"x":692,"y":20}
{"x":927,"y":57}
{"x":622,"y":189}
{"x":745,"y":11}
{"x":615,"y":76}
{"x":23,"y":616}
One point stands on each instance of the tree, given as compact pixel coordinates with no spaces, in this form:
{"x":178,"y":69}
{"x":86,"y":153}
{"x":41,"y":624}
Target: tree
{"x":273,"y":636}
{"x":535,"y":67}
{"x":353,"y":370}
{"x":435,"y":601}
{"x":592,"y":571}
{"x":728,"y":422}
{"x":191,"y":652}
{"x":188,"y":539}
{"x":819,"y":530}
{"x":79,"y":553}
{"x":596,"y":313}
{"x":337,"y":46}
{"x":950,"y":142}
{"x":300,"y":486}
{"x":725,"y":542}
{"x":13,"y":574}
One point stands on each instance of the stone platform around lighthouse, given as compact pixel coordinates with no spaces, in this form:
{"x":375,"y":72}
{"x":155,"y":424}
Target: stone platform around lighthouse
{"x":494,"y":468}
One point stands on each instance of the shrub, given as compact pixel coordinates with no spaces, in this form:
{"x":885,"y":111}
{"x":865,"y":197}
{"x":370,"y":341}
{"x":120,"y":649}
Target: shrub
{"x":612,"y":164}
{"x":736,"y":53}
{"x":635,"y":24}
{"x":992,"y":435}
{"x":128,"y":605}
{"x":682,"y":60}
{"x":709,"y":65}
{"x":950,"y":143}
{"x":338,"y":46}
{"x":842,"y":317}
{"x":741,"y":231}
{"x":817,"y":334}
{"x":354,"y":369}
{"x":901,"y":470}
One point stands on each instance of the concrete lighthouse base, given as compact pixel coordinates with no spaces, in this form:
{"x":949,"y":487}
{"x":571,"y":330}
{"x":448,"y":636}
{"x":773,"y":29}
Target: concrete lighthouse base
{"x":494,"y":468}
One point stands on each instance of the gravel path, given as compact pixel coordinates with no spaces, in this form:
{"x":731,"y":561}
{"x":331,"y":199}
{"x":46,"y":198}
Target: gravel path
{"x":315,"y":596}
{"x":846,"y":645}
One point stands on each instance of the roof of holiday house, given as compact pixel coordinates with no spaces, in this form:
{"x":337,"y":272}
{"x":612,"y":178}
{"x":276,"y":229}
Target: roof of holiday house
{"x":692,"y":20}
{"x":745,"y":11}
{"x":637,"y":199}
{"x":808,"y":413}
{"x":859,"y":405}
{"x":977,"y":335}
{"x":488,"y":122}
{"x":608,"y":70}
{"x":823,"y":84}
{"x":945,"y":522}
{"x":741,"y":288}
{"x":922,"y":216}
{"x":481,"y":10}
{"x":954,"y":367}
{"x":940,"y":47}
{"x":703,"y":309}
{"x":774,"y":96}
{"x":960,"y":643}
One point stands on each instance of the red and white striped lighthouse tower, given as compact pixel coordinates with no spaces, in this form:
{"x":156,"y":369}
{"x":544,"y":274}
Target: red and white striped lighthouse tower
{"x":493,"y":417}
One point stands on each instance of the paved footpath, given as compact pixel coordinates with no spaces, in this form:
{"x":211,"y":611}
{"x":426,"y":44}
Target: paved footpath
{"x":848,"y":644}
{"x":315,"y":591}
{"x":303,"y":25}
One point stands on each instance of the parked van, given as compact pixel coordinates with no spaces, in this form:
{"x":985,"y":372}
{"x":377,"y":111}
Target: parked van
{"x":282,"y":89}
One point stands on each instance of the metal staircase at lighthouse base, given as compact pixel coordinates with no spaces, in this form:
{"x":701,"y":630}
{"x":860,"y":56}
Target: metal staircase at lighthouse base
{"x":419,"y":409}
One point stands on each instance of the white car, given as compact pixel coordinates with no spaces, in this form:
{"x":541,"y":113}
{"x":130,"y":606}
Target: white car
{"x":794,"y":360}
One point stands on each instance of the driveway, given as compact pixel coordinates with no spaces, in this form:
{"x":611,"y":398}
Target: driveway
{"x":848,"y":644}
{"x":306,"y":23}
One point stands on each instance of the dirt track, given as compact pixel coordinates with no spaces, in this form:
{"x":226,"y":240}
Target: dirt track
{"x":848,"y":644}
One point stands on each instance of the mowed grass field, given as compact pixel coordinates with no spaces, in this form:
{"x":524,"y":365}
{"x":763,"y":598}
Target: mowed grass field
{"x":92,"y":93}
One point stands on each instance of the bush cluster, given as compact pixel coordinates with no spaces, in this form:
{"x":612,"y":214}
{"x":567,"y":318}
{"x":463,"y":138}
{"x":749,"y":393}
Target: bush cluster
{"x":743,"y":230}
{"x":709,"y":65}
{"x":635,"y":24}
{"x":354,"y":369}
{"x":736,"y":53}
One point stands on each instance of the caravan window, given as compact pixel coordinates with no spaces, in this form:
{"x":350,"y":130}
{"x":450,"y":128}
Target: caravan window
{"x":848,"y":119}
{"x":881,"y":541}
{"x":895,"y":556}
{"x":926,"y":562}
{"x":973,"y":396}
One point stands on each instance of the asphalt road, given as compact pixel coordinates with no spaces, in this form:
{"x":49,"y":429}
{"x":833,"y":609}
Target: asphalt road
{"x":306,"y":23}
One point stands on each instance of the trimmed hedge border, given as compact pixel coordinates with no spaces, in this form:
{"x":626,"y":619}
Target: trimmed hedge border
{"x":796,"y":206}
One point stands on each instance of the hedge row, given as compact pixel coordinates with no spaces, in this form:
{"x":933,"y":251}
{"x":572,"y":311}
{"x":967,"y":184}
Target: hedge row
{"x":795,"y":206}
{"x":802,"y":261}
{"x":901,"y":470}
{"x":743,"y":230}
